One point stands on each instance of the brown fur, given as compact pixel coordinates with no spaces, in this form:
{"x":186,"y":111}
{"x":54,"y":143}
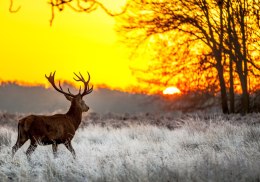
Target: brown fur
{"x":55,"y":129}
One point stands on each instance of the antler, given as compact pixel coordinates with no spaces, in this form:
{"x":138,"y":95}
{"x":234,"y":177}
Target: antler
{"x":87,"y":90}
{"x":51,"y":80}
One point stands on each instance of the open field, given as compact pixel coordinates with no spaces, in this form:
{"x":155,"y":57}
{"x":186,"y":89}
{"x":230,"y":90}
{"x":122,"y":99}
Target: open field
{"x":143,"y":148}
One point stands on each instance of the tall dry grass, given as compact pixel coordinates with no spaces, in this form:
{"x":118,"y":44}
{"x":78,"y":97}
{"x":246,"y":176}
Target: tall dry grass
{"x":202,"y":148}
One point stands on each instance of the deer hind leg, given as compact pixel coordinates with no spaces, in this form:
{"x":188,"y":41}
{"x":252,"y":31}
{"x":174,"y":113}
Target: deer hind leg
{"x":70,"y":148}
{"x":54,"y":149}
{"x":31,"y":149}
{"x":21,"y":139}
{"x":18,"y":144}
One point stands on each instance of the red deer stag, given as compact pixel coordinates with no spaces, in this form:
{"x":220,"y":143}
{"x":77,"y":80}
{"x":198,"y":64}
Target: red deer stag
{"x":55,"y":129}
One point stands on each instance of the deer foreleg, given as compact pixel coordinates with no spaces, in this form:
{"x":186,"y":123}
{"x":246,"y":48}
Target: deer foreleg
{"x":54,"y":149}
{"x":70,"y":148}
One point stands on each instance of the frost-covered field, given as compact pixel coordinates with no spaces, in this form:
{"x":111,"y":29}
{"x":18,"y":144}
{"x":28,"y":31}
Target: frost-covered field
{"x":143,"y":148}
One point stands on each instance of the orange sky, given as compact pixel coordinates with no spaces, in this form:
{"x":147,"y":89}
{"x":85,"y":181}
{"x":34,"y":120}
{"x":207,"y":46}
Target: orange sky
{"x":75,"y":42}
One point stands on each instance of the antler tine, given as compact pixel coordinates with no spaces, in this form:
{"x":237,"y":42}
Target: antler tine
{"x":69,"y":91}
{"x":50,"y":78}
{"x":81,"y":78}
{"x":60,"y":86}
{"x":87,"y":90}
{"x":90,"y":90}
{"x":88,"y":77}
{"x":79,"y":89}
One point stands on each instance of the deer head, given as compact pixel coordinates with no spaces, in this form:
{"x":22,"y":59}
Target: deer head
{"x":75,"y":99}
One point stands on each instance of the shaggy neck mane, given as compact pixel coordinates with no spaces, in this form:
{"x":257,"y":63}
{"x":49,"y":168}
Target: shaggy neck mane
{"x":75,"y":113}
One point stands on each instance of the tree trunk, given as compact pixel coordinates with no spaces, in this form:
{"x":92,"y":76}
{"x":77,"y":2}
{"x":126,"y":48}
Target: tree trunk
{"x":245,"y":69}
{"x":245,"y":95}
{"x":223,"y":91}
{"x":231,"y":89}
{"x":218,"y":55}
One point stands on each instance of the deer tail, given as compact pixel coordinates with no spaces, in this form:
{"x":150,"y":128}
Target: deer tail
{"x":24,"y":126}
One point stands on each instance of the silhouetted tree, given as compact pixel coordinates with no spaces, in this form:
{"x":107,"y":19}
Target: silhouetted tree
{"x":85,"y":6}
{"x":221,"y":26}
{"x":242,"y":32}
{"x":169,"y":63}
{"x":195,"y":18}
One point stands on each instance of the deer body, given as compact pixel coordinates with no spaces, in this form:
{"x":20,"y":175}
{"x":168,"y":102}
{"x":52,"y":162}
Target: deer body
{"x":55,"y":129}
{"x":47,"y":129}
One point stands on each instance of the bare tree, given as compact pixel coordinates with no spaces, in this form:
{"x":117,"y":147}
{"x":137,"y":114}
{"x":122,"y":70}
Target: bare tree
{"x":227,"y":31}
{"x":242,"y":32}
{"x":173,"y":64}
{"x":194,"y":18}
{"x":81,"y":6}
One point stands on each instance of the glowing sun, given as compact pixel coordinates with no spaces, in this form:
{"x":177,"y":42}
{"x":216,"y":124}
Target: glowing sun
{"x":171,"y":90}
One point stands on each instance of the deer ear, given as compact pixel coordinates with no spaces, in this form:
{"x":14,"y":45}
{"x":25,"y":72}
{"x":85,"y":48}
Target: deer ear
{"x":68,"y":97}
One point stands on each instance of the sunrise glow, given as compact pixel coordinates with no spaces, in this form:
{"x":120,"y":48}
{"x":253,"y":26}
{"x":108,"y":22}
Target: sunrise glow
{"x":171,"y":91}
{"x":75,"y":42}
{"x":89,"y":42}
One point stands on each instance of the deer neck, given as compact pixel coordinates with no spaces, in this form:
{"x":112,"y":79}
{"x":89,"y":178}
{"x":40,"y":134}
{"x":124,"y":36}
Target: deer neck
{"x":75,"y":113}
